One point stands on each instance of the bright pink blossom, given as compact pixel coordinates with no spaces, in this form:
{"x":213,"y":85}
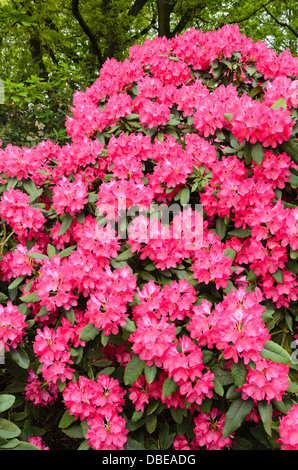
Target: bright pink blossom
{"x":288,"y":430}
{"x":208,"y":431}
{"x":12,"y":326}
{"x":266,"y":381}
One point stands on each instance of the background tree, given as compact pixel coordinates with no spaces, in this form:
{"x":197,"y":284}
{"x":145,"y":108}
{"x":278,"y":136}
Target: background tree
{"x":51,"y":48}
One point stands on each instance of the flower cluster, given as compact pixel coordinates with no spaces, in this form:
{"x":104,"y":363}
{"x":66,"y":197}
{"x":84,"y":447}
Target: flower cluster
{"x":107,"y":306}
{"x":152,"y":259}
{"x":267,"y":381}
{"x":234,"y":326}
{"x":53,"y":350}
{"x":288,"y":430}
{"x":100,"y":402}
{"x":24,"y":219}
{"x":12,"y":326}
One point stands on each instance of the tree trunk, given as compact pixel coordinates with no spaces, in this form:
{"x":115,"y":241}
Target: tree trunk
{"x":164,"y":8}
{"x":36,"y":54}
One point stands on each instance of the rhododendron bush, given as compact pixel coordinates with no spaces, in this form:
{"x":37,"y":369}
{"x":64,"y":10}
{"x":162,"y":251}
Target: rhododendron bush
{"x":120,"y":329}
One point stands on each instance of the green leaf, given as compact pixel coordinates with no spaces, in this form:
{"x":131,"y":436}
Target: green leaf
{"x":178,"y":414}
{"x":67,"y":251}
{"x":218,"y":388}
{"x":150,"y":373}
{"x":6,"y":402}
{"x":186,"y":425}
{"x":224,"y":376}
{"x":133,"y":369}
{"x":240,"y":232}
{"x":257,"y":153}
{"x":232,"y":392}
{"x":127,"y":254}
{"x":20,"y":357}
{"x":184,"y":195}
{"x":130,"y":325}
{"x":3,"y":298}
{"x":104,"y":339}
{"x":4,"y":442}
{"x":29,"y":186}
{"x":293,"y":180}
{"x":74,"y":431}
{"x":152,"y":406}
{"x":137,"y":415}
{"x":291,"y":149}
{"x":169,"y":387}
{"x":281,"y":103}
{"x":132,"y":444}
{"x":42,"y":312}
{"x":230,"y":253}
{"x":51,"y":250}
{"x":151,"y":423}
{"x":30,"y":298}
{"x":265,"y":411}
{"x":66,"y":223}
{"x":16,"y":282}
{"x":36,"y":256}
{"x":236,"y":414}
{"x":26,"y":446}
{"x":66,"y":420}
{"x":165,"y":437}
{"x":228,"y":116}
{"x":221,"y":227}
{"x":278,"y":276}
{"x":107,"y":370}
{"x":251,"y":70}
{"x":35,"y":195}
{"x":8,"y":429}
{"x":88,"y":333}
{"x":275,"y":353}
{"x":239,"y":372}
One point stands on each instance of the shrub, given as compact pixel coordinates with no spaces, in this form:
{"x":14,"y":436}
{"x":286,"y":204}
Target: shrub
{"x":123,"y":329}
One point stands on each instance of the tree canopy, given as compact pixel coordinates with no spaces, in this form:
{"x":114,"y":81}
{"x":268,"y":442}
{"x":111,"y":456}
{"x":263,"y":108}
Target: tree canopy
{"x":50,"y":48}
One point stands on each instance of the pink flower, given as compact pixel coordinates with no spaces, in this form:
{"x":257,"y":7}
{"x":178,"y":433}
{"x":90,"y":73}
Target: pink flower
{"x":200,"y":324}
{"x":152,"y":338}
{"x":185,"y":364}
{"x":288,"y":430}
{"x":12,"y":326}
{"x":208,"y":431}
{"x":181,"y":443}
{"x":267,"y":381}
{"x":177,"y":299}
{"x":200,"y":388}
{"x":37,"y":441}
{"x":17,"y":263}
{"x":106,"y":431}
{"x":70,"y":196}
{"x":116,"y":196}
{"x":20,"y":215}
{"x":101,"y":241}
{"x":38,"y":392}
{"x":107,"y":305}
{"x":239,"y":329}
{"x":55,"y":284}
{"x":85,"y":397}
{"x":274,"y":169}
{"x":58,"y":368}
{"x":139,"y":394}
